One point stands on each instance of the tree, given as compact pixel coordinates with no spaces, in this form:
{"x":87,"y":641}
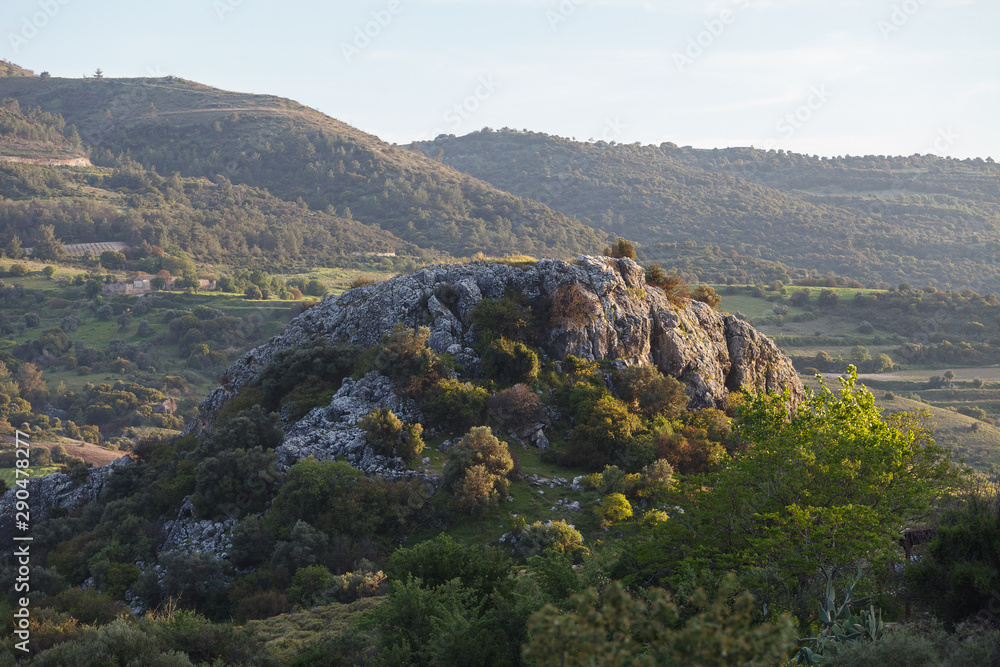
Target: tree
{"x":98,"y":74}
{"x":615,"y":507}
{"x":645,"y":389}
{"x":49,"y":271}
{"x":800,"y":298}
{"x":959,"y":574}
{"x":47,"y":246}
{"x":827,"y":299}
{"x":832,"y":485}
{"x":388,"y":436}
{"x":510,"y":362}
{"x":559,"y":536}
{"x":14,"y":249}
{"x":607,"y":432}
{"x":706,"y":294}
{"x":621,"y":248}
{"x":113,"y":260}
{"x":477,"y":469}
{"x":253,"y":293}
{"x":124,"y":320}
{"x":673,"y":285}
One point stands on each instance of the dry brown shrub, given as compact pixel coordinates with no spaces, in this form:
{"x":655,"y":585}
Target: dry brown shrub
{"x":515,"y":408}
{"x":571,"y":306}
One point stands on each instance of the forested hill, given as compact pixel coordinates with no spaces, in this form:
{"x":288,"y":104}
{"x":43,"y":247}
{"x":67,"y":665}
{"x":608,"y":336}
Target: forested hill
{"x":212,"y":220}
{"x":880,"y":220}
{"x":295,"y":153}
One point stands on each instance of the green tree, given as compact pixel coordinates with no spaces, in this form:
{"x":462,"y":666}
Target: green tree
{"x":253,"y":293}
{"x":113,"y":260}
{"x":510,"y":362}
{"x":615,"y":507}
{"x":621,"y":248}
{"x":607,"y":432}
{"x":47,"y":246}
{"x":14,"y":249}
{"x":706,"y":294}
{"x":647,"y":390}
{"x":959,"y":574}
{"x":477,"y":469}
{"x":383,"y":431}
{"x":829,"y":487}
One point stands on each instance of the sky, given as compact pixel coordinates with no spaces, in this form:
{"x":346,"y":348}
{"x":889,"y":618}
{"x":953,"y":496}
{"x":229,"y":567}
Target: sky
{"x":830,"y":77}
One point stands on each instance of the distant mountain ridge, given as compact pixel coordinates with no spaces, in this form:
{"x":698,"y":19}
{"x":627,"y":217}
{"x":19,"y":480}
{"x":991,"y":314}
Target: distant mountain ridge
{"x":297,"y":153}
{"x":878,"y":219}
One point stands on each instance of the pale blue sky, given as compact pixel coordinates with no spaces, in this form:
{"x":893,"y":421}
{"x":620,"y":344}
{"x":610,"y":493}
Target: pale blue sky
{"x":829,"y":77}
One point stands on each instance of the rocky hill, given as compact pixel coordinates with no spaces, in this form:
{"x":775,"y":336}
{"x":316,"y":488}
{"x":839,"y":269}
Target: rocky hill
{"x":618,"y":318}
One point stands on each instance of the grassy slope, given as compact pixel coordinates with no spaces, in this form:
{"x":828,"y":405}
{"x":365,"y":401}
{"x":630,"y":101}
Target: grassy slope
{"x":976,"y":442}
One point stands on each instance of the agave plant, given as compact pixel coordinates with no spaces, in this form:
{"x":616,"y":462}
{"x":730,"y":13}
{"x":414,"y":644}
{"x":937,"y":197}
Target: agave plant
{"x":841,"y":625}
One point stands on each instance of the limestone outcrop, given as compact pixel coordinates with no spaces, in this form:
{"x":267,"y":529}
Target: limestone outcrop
{"x":617,"y":316}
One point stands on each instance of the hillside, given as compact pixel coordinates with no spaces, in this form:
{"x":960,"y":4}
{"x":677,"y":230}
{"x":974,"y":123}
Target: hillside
{"x":875,"y":219}
{"x":9,"y":69}
{"x":34,"y":136}
{"x":296,"y":153}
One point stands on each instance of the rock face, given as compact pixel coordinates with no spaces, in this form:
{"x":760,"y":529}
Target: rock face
{"x":331,"y":432}
{"x":55,"y":491}
{"x":617,"y":316}
{"x":186,"y":532}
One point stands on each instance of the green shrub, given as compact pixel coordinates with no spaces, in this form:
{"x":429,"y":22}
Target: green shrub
{"x":234,"y":483}
{"x":509,"y":362}
{"x":437,"y":561}
{"x":508,"y":317}
{"x":609,"y":433}
{"x":614,"y":507}
{"x":311,"y":369}
{"x":645,"y":389}
{"x":959,"y":574}
{"x":477,"y":470}
{"x":539,"y":537}
{"x":621,"y":248}
{"x":403,"y":355}
{"x":118,"y":643}
{"x":383,"y":431}
{"x":706,"y":294}
{"x":252,"y":543}
{"x":311,"y":585}
{"x":456,"y":404}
